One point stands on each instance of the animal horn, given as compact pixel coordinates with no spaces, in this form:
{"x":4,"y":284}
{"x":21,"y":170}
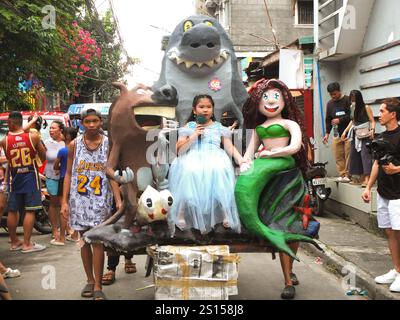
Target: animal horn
{"x":122,"y":87}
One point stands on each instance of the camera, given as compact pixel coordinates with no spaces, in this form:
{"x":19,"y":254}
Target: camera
{"x":383,"y":151}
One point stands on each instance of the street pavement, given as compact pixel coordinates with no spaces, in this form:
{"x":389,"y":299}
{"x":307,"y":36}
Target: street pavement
{"x":57,"y":274}
{"x":362,"y":254}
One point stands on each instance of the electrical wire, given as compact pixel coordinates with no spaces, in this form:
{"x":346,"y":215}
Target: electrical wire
{"x":272,"y":27}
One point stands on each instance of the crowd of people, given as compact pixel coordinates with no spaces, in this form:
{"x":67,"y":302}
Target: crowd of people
{"x":75,"y":178}
{"x":81,"y":196}
{"x":354,"y":129}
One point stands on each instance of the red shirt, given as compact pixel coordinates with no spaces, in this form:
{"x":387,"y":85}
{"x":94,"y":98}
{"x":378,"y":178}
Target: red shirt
{"x":21,"y":154}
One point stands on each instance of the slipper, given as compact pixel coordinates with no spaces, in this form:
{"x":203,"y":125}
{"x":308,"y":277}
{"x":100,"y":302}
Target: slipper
{"x":288,"y":292}
{"x":54,"y":242}
{"x":99,"y":295}
{"x":108,"y":278}
{"x":69,"y":238}
{"x":11,"y":273}
{"x":130,"y":267}
{"x":17,"y":248}
{"x":87,"y":291}
{"x":34,"y":248}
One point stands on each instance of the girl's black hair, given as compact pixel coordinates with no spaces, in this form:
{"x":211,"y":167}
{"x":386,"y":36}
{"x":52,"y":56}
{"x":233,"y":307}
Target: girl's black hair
{"x":196,"y":100}
{"x":38,"y":123}
{"x":202,"y":96}
{"x":71,"y":132}
{"x":359,"y":110}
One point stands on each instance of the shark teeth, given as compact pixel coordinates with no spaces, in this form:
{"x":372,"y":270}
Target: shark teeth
{"x":179,"y":60}
{"x":210,"y":63}
{"x":189,"y":64}
{"x":224,"y":54}
{"x":174,"y":54}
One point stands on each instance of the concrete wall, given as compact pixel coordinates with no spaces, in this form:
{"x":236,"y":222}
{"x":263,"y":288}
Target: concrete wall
{"x":383,"y":27}
{"x":249,"y":16}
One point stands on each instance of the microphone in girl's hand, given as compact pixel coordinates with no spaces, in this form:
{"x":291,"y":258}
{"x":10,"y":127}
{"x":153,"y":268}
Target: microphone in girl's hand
{"x":200,"y":120}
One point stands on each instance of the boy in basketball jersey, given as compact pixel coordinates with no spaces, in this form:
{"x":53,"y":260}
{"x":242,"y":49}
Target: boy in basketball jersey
{"x":21,"y":149}
{"x":87,"y":195}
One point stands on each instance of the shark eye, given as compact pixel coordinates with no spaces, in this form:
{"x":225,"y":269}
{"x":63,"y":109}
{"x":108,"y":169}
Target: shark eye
{"x":209,"y":23}
{"x":187,"y":25}
{"x":170,"y":201}
{"x":149,"y":202}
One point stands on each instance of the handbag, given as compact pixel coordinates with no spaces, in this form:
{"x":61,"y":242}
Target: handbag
{"x":362,"y":133}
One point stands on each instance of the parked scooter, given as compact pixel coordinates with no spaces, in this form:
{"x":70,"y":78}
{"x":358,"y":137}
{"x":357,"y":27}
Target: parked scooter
{"x":316,"y":181}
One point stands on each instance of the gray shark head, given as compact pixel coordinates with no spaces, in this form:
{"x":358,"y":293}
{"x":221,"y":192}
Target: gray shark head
{"x":199,"y":45}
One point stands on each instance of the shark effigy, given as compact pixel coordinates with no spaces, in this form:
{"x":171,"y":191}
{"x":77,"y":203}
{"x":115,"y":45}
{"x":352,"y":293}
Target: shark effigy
{"x":199,"y":59}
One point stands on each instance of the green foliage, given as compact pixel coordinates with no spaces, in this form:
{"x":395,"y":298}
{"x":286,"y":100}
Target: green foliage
{"x":110,"y":67}
{"x":26,"y":47}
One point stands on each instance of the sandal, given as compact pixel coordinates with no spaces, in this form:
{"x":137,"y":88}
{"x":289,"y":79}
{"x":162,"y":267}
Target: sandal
{"x":16,"y":248}
{"x":99,"y":295}
{"x":10,"y":273}
{"x":288,"y":293}
{"x":130,"y":267}
{"x":87,"y":291}
{"x":294,"y":279}
{"x":108,"y":278}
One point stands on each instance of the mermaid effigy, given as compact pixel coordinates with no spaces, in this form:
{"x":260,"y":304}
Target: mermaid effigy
{"x":276,"y":122}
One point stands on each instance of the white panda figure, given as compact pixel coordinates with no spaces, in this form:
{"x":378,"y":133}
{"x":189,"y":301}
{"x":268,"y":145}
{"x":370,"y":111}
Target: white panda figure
{"x":153,"y":205}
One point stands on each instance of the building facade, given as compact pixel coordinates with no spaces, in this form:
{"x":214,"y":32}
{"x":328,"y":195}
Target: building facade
{"x":357,"y":45}
{"x":260,"y":27}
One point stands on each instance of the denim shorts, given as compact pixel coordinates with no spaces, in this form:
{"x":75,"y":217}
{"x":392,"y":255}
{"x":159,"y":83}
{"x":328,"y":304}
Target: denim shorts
{"x":30,"y":201}
{"x":52,"y":186}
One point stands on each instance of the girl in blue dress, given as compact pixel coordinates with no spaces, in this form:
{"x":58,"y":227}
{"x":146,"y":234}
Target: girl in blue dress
{"x":202,"y":178}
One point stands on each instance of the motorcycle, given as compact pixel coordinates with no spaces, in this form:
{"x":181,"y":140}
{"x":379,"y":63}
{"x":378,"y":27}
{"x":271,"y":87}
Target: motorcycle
{"x":316,"y":181}
{"x":42,"y":221}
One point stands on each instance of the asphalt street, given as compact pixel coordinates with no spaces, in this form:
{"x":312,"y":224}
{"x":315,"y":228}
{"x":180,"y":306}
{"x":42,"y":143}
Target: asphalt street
{"x":57,"y":274}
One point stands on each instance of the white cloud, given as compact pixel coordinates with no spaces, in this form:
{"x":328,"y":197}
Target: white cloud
{"x":141,"y":40}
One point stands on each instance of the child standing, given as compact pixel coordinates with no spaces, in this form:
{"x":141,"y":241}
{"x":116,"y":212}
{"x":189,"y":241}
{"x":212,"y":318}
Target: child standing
{"x":87,"y":197}
{"x":60,"y":165}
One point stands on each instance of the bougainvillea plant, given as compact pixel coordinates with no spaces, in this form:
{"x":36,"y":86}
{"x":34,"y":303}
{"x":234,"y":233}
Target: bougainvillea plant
{"x":82,"y":53}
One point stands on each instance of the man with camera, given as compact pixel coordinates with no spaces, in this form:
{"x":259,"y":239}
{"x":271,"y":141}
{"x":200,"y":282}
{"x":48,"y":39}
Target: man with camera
{"x":388,"y":193}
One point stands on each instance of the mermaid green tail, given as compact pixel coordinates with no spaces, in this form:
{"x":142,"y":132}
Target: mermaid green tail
{"x":248,"y":190}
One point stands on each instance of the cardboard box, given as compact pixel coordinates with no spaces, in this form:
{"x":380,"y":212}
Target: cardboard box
{"x":194,"y":273}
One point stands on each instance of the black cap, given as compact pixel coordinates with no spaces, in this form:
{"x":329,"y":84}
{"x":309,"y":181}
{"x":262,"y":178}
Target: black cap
{"x":90,"y":112}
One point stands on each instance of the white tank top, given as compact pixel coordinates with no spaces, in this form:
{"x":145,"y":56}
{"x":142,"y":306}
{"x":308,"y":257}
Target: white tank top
{"x":90,"y":194}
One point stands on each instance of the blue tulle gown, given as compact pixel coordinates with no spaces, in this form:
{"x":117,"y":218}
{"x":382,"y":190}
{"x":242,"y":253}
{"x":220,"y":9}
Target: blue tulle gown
{"x":202,"y":182}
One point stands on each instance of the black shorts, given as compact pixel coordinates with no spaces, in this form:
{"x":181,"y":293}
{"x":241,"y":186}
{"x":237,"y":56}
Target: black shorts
{"x":60,"y":187}
{"x":30,"y":201}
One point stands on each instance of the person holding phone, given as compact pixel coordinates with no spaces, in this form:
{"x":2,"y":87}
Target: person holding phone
{"x":202,"y":178}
